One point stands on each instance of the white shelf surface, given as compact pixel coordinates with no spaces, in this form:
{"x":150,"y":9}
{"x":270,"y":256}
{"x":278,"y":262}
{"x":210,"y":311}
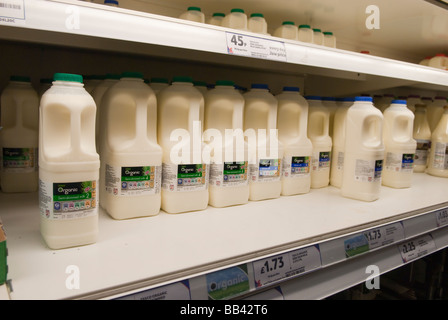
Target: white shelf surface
{"x":87,"y":25}
{"x":149,"y":252}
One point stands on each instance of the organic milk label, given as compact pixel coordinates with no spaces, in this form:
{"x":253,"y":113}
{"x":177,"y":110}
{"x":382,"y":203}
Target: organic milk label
{"x":229,"y":174}
{"x":440,"y":156}
{"x":421,"y":153}
{"x":68,"y":200}
{"x":296,"y":167}
{"x":267,"y":170}
{"x":133,"y":181}
{"x":321,"y":160}
{"x":20,"y":160}
{"x":368,"y":170}
{"x":399,"y":162}
{"x":184,"y":177}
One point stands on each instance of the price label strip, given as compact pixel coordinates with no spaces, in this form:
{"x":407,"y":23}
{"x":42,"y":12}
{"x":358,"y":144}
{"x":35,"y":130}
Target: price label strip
{"x":373,"y":238}
{"x":290,"y":264}
{"x":12,"y":10}
{"x":248,"y":46}
{"x":442,"y":217}
{"x":416,"y":248}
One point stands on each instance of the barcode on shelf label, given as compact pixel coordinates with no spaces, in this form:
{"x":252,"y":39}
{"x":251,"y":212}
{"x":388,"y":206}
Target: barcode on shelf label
{"x":255,"y":47}
{"x":11,"y":10}
{"x":416,"y":248}
{"x":442,"y":217}
{"x":291,"y":264}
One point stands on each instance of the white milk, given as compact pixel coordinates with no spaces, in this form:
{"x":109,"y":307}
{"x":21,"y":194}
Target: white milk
{"x":19,"y":136}
{"x":224,"y":107}
{"x":435,"y":111}
{"x":412,"y":100}
{"x":364,"y":151}
{"x":68,"y":164}
{"x":257,"y":23}
{"x":97,"y":95}
{"x":438,"y":155}
{"x":216,"y":19}
{"x":236,"y":19}
{"x":338,"y":140}
{"x":158,"y":84}
{"x":318,"y":132}
{"x":318,"y":37}
{"x":131,"y":159}
{"x":331,"y":104}
{"x":329,"y":39}
{"x":384,"y":102}
{"x":288,"y":30}
{"x":439,"y":61}
{"x":421,"y":134}
{"x":179,"y":131}
{"x":292,"y":125}
{"x":399,"y":145}
{"x":193,"y":14}
{"x":305,"y":33}
{"x":265,"y":155}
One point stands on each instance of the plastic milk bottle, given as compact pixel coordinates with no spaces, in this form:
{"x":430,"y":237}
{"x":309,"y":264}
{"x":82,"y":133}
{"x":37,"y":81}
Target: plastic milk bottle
{"x":438,"y":156}
{"x":422,"y":135}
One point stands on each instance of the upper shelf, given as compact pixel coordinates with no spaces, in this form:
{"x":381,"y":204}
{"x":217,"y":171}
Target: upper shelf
{"x":99,"y":27}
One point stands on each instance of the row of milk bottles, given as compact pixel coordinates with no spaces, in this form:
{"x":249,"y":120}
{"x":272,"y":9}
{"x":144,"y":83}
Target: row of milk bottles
{"x":237,"y":19}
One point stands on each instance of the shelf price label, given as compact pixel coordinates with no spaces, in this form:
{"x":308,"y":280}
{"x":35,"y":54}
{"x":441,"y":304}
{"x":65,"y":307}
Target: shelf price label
{"x":442,"y":217}
{"x":416,"y":248}
{"x":12,"y":11}
{"x":255,"y":47}
{"x":373,"y":238}
{"x":290,"y":264}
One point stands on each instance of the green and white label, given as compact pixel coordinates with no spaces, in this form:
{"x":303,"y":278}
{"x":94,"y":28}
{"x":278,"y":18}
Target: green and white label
{"x":19,"y":160}
{"x":184,"y":177}
{"x":229,"y":174}
{"x":296,"y":166}
{"x":68,"y":200}
{"x":133,"y":181}
{"x":321,"y":160}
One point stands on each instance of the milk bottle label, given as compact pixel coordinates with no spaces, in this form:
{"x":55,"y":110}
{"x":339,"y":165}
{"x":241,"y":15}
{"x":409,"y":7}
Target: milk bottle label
{"x":133,"y":181}
{"x":296,"y":167}
{"x":66,"y":201}
{"x":184,"y":177}
{"x":20,"y":160}
{"x":340,"y":160}
{"x":267,"y":170}
{"x":399,"y":162}
{"x":421,"y":154}
{"x":321,"y":160}
{"x":440,"y":156}
{"x":368,"y":170}
{"x":229,"y":174}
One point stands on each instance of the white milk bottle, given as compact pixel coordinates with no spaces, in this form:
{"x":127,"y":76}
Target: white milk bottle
{"x":399,"y":145}
{"x":216,"y":19}
{"x":184,"y":173}
{"x":131,"y":159}
{"x":68,"y":164}
{"x":19,"y":136}
{"x":412,"y":100}
{"x":425,"y":61}
{"x":329,"y":39}
{"x":364,"y":151}
{"x":331,"y":104}
{"x":305,"y":33}
{"x":236,"y":19}
{"x":318,"y":132}
{"x":338,"y":140}
{"x":439,"y":61}
{"x":435,"y":111}
{"x":223,"y":125}
{"x":438,"y":155}
{"x":292,"y":126}
{"x":384,"y":102}
{"x":44,"y":85}
{"x":158,"y":84}
{"x":257,"y":23}
{"x":97,"y":95}
{"x":91,"y":81}
{"x":318,"y":37}
{"x":422,"y":135}
{"x":193,"y":14}
{"x":288,"y":30}
{"x":265,"y":151}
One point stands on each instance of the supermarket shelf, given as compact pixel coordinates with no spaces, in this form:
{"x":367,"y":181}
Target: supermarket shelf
{"x":4,"y":293}
{"x":136,"y":255}
{"x":93,"y":26}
